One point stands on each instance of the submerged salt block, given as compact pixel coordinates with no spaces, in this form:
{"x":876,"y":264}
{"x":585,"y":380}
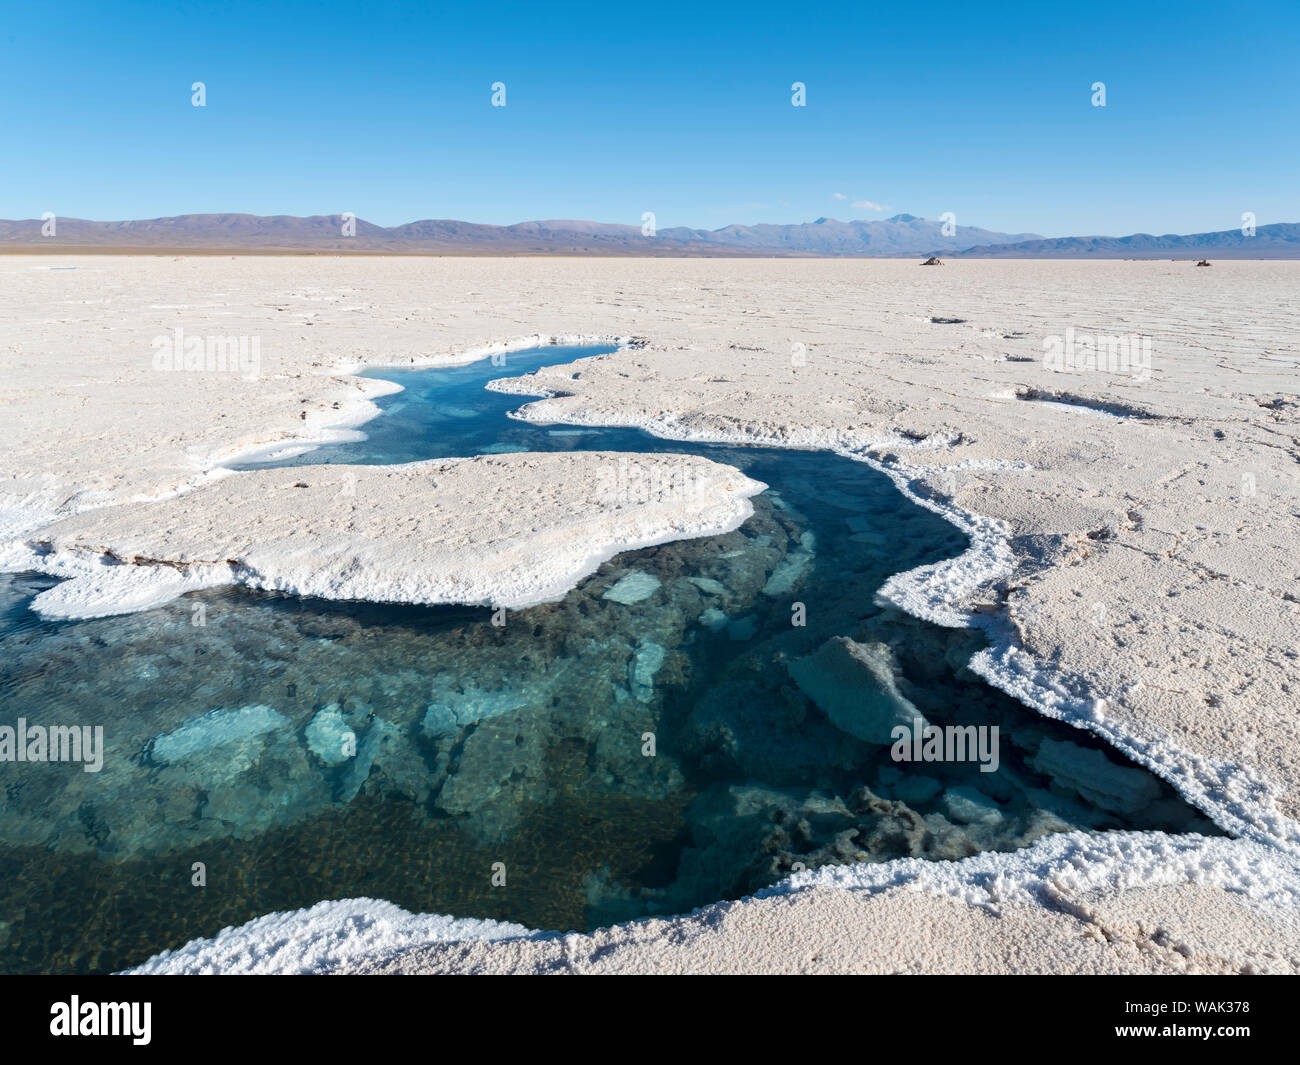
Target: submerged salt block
{"x":967,"y":806}
{"x":708,"y":585}
{"x":856,"y":686}
{"x":329,"y":738}
{"x":633,"y":588}
{"x":790,"y":570}
{"x":221,"y":731}
{"x":1119,"y":789}
{"x":642,"y":668}
{"x":713,"y":619}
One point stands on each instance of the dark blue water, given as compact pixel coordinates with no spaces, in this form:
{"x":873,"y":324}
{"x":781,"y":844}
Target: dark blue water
{"x":447,"y":412}
{"x":619,"y":758}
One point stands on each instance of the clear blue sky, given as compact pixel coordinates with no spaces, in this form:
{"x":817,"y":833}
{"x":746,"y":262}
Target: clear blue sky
{"x":384,"y":109}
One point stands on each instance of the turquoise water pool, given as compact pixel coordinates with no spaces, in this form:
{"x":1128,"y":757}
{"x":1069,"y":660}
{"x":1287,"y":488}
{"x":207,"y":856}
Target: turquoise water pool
{"x":665,"y":736}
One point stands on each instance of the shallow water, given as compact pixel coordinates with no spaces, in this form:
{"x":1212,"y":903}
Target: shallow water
{"x":481,"y":748}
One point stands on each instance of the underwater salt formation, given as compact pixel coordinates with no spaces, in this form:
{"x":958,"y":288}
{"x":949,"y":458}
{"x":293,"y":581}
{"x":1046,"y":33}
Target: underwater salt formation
{"x":856,"y":686}
{"x":466,"y":742}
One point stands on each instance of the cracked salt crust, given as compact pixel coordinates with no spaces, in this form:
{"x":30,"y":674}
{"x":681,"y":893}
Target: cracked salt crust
{"x":1177,"y":525}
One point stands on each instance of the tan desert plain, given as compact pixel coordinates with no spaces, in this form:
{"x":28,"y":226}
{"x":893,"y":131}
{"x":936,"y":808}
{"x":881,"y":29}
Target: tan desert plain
{"x":1166,"y":494}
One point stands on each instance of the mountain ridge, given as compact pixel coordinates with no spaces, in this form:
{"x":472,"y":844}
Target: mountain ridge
{"x":1278,"y":240}
{"x":902,"y":235}
{"x":232,"y":231}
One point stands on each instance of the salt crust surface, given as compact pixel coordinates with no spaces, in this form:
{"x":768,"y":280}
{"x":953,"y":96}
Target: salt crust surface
{"x":504,"y":530}
{"x":1075,"y":902}
{"x":324,"y":938}
{"x":1135,"y":573}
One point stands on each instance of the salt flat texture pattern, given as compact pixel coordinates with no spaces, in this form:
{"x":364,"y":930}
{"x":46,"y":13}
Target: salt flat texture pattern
{"x":1135,"y":535}
{"x":506,"y":530}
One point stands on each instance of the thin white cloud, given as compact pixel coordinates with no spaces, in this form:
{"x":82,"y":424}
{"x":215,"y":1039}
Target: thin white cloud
{"x":861,"y":205}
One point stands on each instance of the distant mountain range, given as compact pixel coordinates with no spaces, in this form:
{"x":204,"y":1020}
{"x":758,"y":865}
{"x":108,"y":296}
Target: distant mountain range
{"x":904,"y":234}
{"x":1278,"y":241}
{"x":901,"y":235}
